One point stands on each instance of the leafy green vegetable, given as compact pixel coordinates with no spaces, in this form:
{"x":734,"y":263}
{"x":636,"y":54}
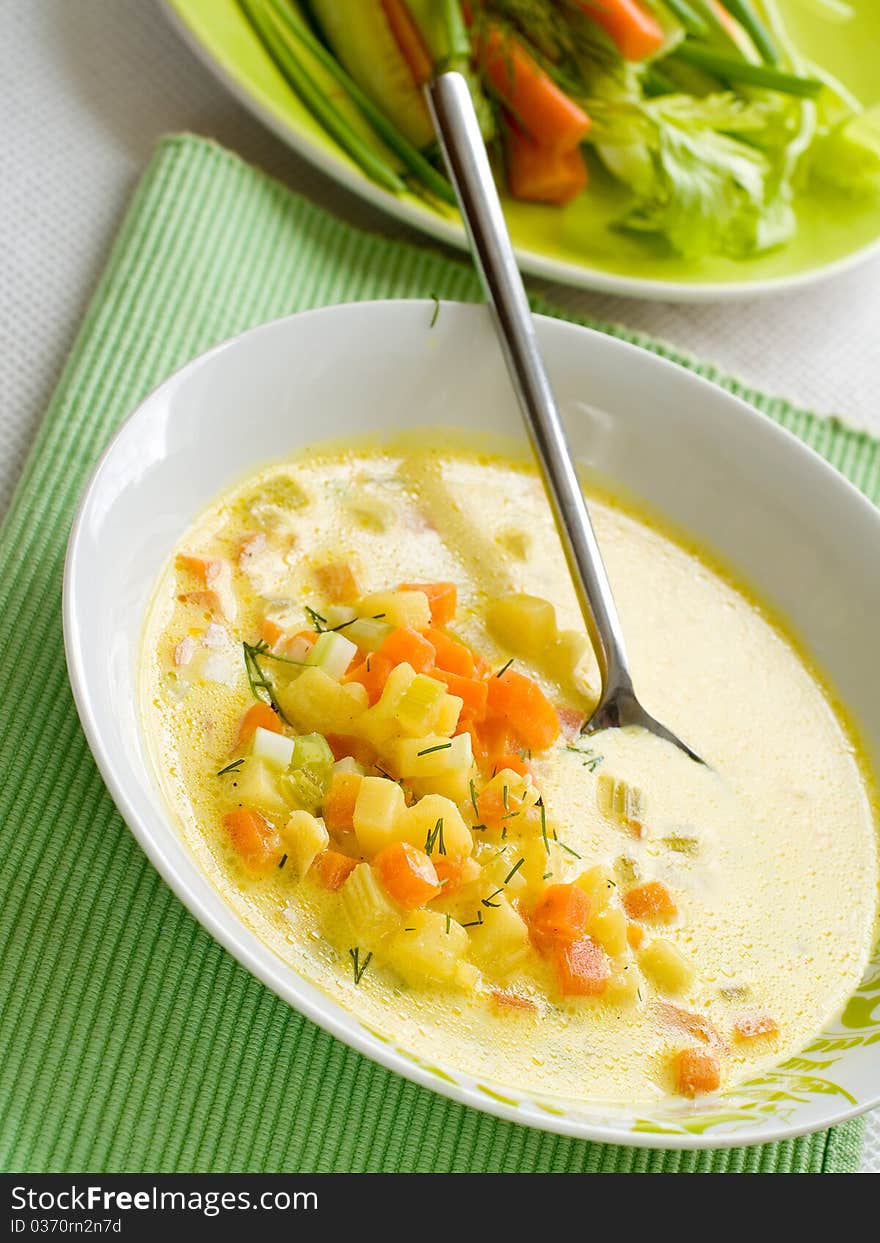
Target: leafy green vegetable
{"x":707,"y":174}
{"x":848,"y":156}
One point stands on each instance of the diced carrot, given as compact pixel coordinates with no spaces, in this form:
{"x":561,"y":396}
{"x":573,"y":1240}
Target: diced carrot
{"x":541,"y":174}
{"x":209,"y":601}
{"x":333,"y":868}
{"x":755,"y":1027}
{"x":337,"y":582}
{"x":544,"y":110}
{"x":582,"y":968}
{"x":696,"y":1025}
{"x":407,"y":646}
{"x":409,"y":39}
{"x":255,"y":838}
{"x":206,"y":569}
{"x":696,"y":1071}
{"x":442,"y":598}
{"x":570,"y":721}
{"x":471,"y":691}
{"x":496,"y":738}
{"x":408,"y":875}
{"x":372,"y":673}
{"x":506,"y":1000}
{"x":514,"y":761}
{"x":450,"y":655}
{"x":345,"y":745}
{"x":560,"y":916}
{"x":449,"y":869}
{"x":635,"y":31}
{"x":635,"y":936}
{"x":651,"y":901}
{"x":339,"y":803}
{"x":259,"y":714}
{"x":523,"y":705}
{"x":270,"y":631}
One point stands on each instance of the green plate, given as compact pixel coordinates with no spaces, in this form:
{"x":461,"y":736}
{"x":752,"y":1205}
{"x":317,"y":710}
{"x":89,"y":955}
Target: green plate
{"x":576,"y":245}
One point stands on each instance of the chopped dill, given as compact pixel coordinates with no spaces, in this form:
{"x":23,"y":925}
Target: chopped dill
{"x":505,"y":795}
{"x":475,"y":923}
{"x":283,"y":861}
{"x":441,"y":746}
{"x":489,"y":901}
{"x":504,"y":668}
{"x":448,"y":924}
{"x":570,"y":850}
{"x":316,"y":619}
{"x":359,"y":967}
{"x":261,"y":685}
{"x":590,"y":759}
{"x":473,"y":790}
{"x":435,"y":838}
{"x":546,"y":876}
{"x":544,"y":824}
{"x":436,"y":302}
{"x":231,"y":768}
{"x":513,"y":871}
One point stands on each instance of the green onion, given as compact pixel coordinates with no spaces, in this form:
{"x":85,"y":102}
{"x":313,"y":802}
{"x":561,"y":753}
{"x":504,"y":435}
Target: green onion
{"x":266,"y":25}
{"x":744,"y":12}
{"x":657,"y":83}
{"x":689,"y":18}
{"x":733,"y":70}
{"x":408,"y":154}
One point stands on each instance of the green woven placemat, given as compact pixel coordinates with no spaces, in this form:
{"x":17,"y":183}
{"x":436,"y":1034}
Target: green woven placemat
{"x":129,"y":1040}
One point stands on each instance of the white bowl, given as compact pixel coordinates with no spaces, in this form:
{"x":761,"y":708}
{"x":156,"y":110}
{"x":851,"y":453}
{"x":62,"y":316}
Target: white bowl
{"x":748,"y":490}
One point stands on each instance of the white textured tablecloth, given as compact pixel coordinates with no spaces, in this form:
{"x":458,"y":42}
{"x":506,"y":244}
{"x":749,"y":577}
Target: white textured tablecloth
{"x":86,"y":88}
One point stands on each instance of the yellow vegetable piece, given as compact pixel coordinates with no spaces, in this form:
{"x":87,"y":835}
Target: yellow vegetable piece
{"x":523,"y":624}
{"x":431,"y":756}
{"x":429,"y":948}
{"x":397,"y":608}
{"x":501,"y":941}
{"x":447,"y":716}
{"x":370,"y":911}
{"x":419,"y":706}
{"x":315,"y":703}
{"x":666,"y":967}
{"x":378,"y":811}
{"x":598,"y":884}
{"x":608,"y":927}
{"x":256,"y":785}
{"x":419,"y":821}
{"x":304,"y":837}
{"x":624,"y":986}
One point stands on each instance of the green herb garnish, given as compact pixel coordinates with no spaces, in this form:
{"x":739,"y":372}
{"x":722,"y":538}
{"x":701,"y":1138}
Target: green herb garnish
{"x":488,"y":901}
{"x":436,"y":301}
{"x":513,"y":871}
{"x":441,"y":746}
{"x":261,"y":685}
{"x":283,"y":861}
{"x":504,"y":668}
{"x":231,"y":768}
{"x":359,"y":967}
{"x":435,"y":838}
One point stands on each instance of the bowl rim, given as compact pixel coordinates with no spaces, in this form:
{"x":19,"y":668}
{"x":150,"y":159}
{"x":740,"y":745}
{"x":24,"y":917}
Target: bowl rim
{"x":573,"y":275}
{"x":231,"y":932}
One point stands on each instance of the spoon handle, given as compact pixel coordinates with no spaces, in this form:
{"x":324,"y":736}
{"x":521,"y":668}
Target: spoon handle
{"x":457,"y":127}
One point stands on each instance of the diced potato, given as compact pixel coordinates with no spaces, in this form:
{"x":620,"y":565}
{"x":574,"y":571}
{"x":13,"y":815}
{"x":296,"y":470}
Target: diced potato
{"x":501,"y":941}
{"x":497,"y":865}
{"x":304,"y":837}
{"x":608,"y":927}
{"x":432,"y":755}
{"x":372,"y":512}
{"x":452,"y":785}
{"x":333,"y":653}
{"x":377,"y":724}
{"x":418,"y":706}
{"x":523,"y":624}
{"x":420,"y":820}
{"x":370,"y":911}
{"x":429,"y":949}
{"x":566,"y":654}
{"x":314,"y":702}
{"x":624,"y":987}
{"x":357,"y":693}
{"x":666,"y":966}
{"x":397,"y":608}
{"x":544,"y":865}
{"x":447,"y":715}
{"x":378,"y":812}
{"x":466,"y":976}
{"x":257,"y":785}
{"x":598,"y":884}
{"x":275,"y":749}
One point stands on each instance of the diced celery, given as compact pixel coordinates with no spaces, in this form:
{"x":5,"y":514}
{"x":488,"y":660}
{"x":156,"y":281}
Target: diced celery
{"x":398,"y":608}
{"x":620,"y":801}
{"x":303,"y":789}
{"x":501,"y":941}
{"x":315,"y":702}
{"x":305,"y":836}
{"x":257,"y":785}
{"x":418,"y":824}
{"x":333,"y":653}
{"x":312,"y":751}
{"x":370,"y":911}
{"x":523,"y":624}
{"x":275,"y":749}
{"x":432,"y":756}
{"x":368,"y":633}
{"x":419,"y":705}
{"x":429,"y":949}
{"x":377,"y":723}
{"x":379,"y":809}
{"x":447,"y":715}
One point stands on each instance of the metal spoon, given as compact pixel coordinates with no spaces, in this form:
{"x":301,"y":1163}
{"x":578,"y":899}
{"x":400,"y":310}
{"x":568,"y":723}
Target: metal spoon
{"x":465,"y":153}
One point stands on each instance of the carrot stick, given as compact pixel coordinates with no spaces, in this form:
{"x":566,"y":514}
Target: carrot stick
{"x":409,"y":40}
{"x":636,"y":33}
{"x":543,"y":110}
{"x":541,"y":174}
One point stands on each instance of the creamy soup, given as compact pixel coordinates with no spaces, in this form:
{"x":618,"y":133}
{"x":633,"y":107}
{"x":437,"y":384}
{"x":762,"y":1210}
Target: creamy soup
{"x":364,"y":677}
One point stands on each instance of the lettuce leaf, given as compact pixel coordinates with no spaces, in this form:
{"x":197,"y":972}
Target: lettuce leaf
{"x":709,"y":174}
